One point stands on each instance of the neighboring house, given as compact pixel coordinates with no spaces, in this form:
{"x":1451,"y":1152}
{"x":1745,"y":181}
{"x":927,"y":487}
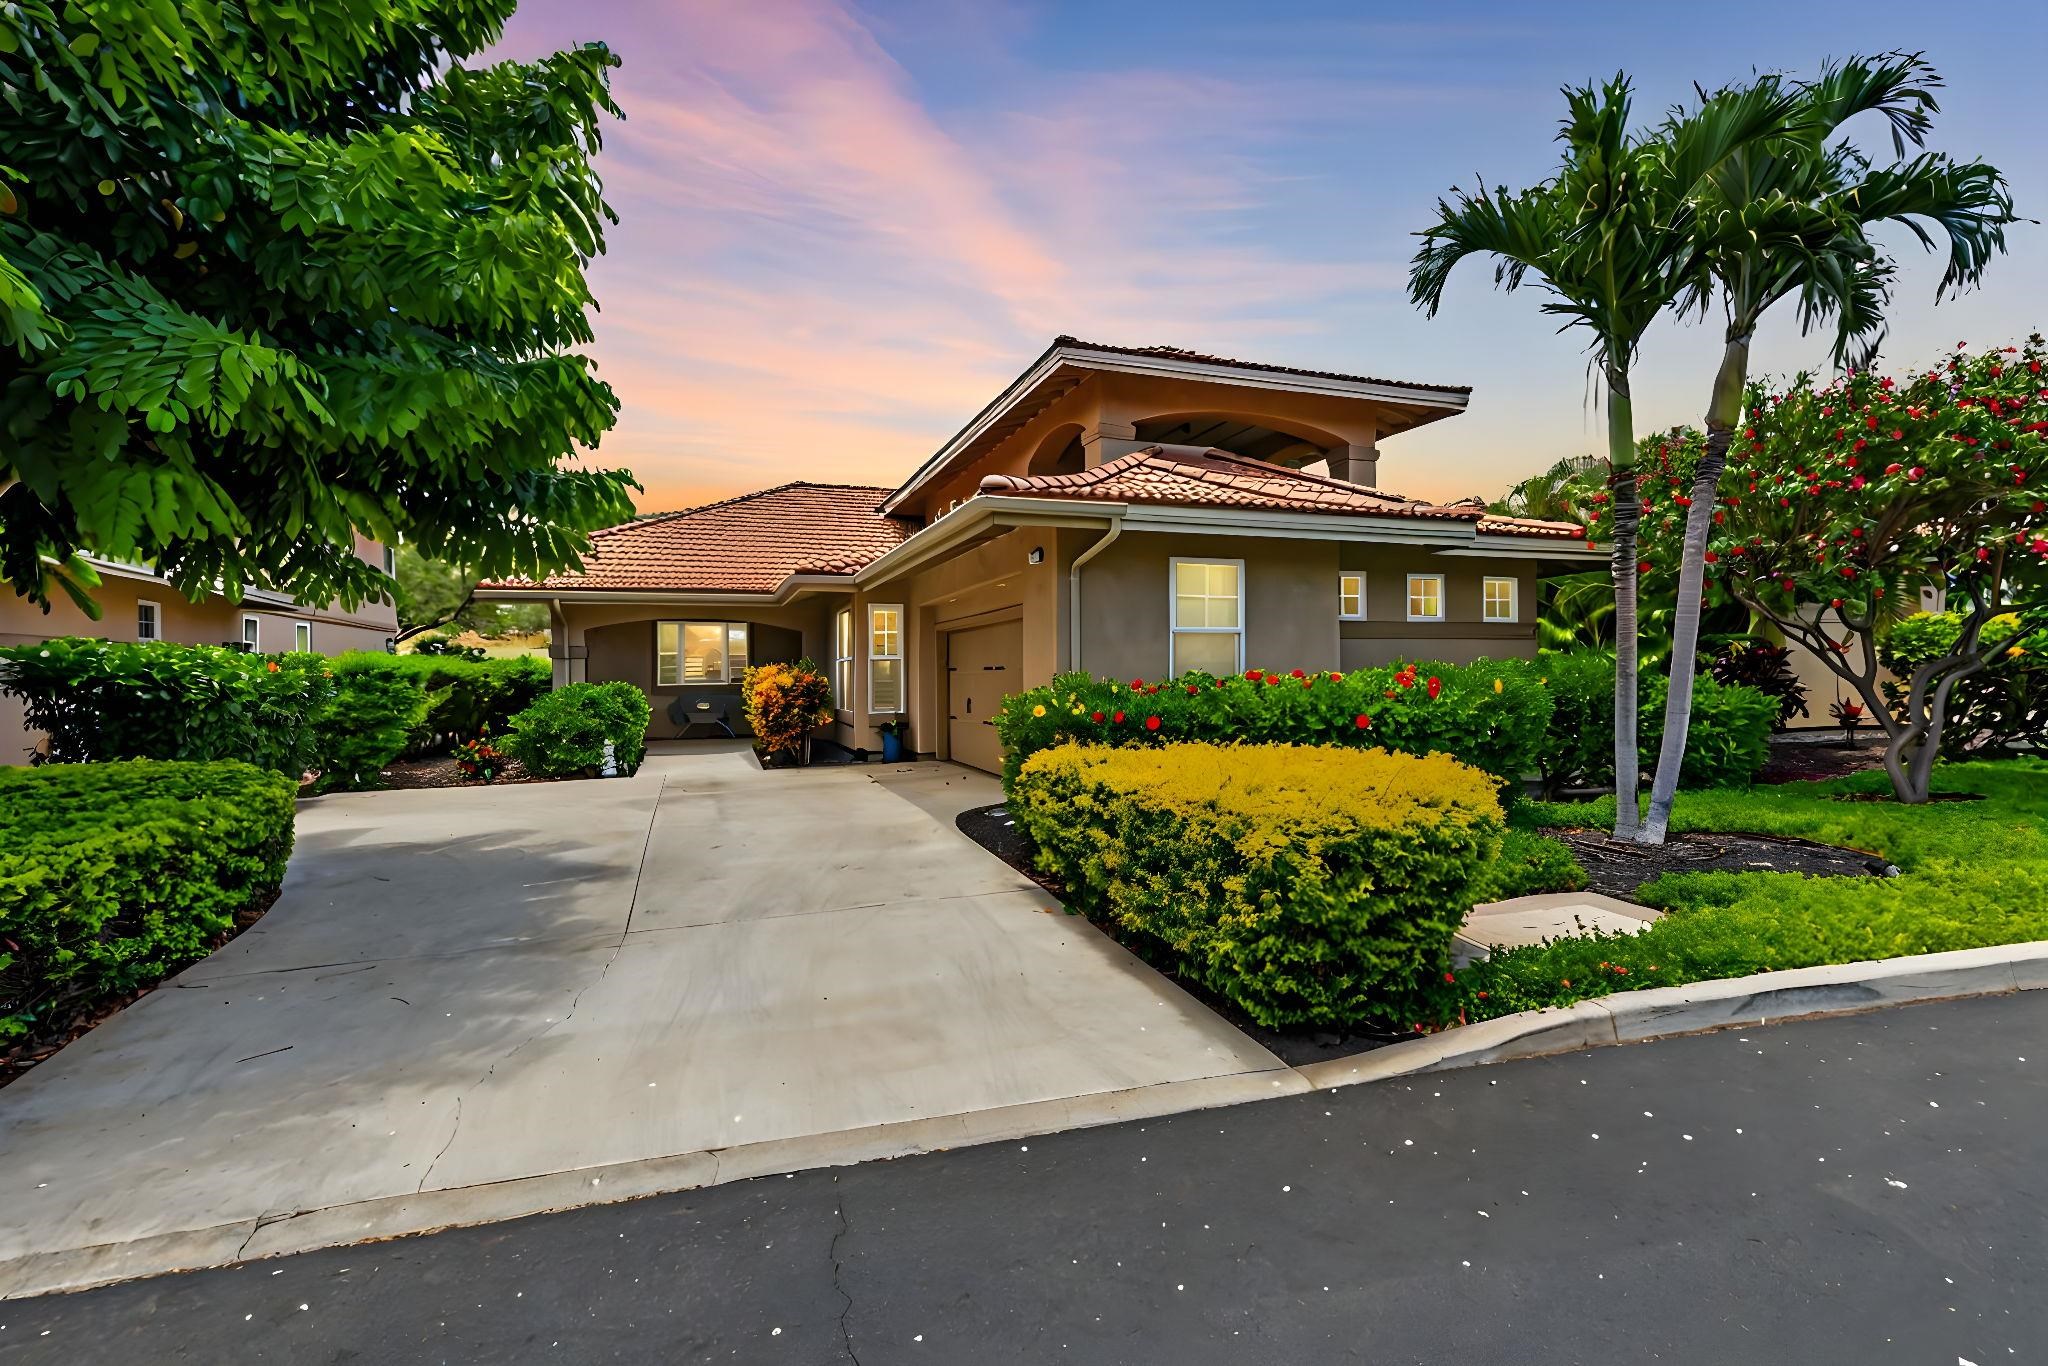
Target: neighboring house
{"x":136,"y":604}
{"x":1127,"y":511}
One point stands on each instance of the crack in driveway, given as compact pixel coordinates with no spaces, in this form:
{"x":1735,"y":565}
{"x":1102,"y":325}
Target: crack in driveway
{"x":838,"y":1286}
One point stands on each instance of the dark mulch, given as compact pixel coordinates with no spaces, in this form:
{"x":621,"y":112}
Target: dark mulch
{"x":991,"y":828}
{"x":1804,"y":761}
{"x":73,"y":1020}
{"x":440,"y":771}
{"x":1619,"y":869}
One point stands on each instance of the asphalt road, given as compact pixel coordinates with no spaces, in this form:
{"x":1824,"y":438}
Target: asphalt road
{"x":1861,"y":1190}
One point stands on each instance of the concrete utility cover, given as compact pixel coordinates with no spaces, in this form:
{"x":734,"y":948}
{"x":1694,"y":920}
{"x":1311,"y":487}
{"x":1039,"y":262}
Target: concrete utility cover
{"x":1555,"y":915}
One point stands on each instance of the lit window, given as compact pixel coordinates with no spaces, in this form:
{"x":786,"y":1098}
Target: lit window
{"x":252,"y":634}
{"x":1499,"y":599}
{"x":1351,"y":597}
{"x":842,"y":659}
{"x":689,"y":652}
{"x":302,"y":637}
{"x":1425,"y":597}
{"x":1208,"y":616}
{"x":149,"y":622}
{"x":885,"y":658}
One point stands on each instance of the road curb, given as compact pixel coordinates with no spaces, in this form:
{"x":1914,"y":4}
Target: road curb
{"x":1663,"y":1012}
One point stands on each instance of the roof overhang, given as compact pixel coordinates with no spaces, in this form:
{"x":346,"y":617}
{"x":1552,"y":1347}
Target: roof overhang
{"x":1063,"y":366}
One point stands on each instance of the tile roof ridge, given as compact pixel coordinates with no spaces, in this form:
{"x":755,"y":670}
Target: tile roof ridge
{"x":652,"y":518}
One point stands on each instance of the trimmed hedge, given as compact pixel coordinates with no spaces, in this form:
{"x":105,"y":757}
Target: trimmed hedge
{"x":1492,"y":715}
{"x":1306,"y":884}
{"x":563,"y":734}
{"x":114,"y":875}
{"x":377,"y":704}
{"x":101,"y":700}
{"x":467,"y":697}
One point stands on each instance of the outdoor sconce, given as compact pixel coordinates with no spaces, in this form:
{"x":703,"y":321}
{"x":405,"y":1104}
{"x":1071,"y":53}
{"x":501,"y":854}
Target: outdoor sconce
{"x":1037,"y":555}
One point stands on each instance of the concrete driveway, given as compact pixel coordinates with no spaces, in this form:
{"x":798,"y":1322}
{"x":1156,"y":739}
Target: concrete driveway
{"x":477,"y":1003}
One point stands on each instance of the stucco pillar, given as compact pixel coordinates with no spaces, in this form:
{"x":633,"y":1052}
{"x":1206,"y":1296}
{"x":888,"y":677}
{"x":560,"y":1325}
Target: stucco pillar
{"x":1107,"y":440}
{"x":566,"y":649}
{"x":1355,"y":464}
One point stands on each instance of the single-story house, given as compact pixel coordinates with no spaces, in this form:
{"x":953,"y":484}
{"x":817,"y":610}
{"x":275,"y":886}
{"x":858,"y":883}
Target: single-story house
{"x":1130,"y":511}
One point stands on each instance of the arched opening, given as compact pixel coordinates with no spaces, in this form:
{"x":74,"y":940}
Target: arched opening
{"x":1060,"y":452}
{"x":1277,"y":441}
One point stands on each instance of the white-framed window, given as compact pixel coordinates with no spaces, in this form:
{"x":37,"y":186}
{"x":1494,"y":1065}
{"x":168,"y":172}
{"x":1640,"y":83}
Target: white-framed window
{"x":302,"y":637}
{"x":842,"y":659}
{"x":1351,"y":597}
{"x":1497,"y":596}
{"x":885,"y":657}
{"x":390,"y":561}
{"x":252,"y":634}
{"x":696,"y":652}
{"x":1425,"y":597}
{"x":1207,"y":606}
{"x":149,"y":620}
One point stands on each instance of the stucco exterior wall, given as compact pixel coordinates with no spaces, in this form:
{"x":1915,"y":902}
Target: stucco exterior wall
{"x":1386,"y":635}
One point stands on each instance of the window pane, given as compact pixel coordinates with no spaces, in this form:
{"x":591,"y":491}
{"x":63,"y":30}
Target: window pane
{"x":845,"y":635}
{"x":1223,"y":580}
{"x":1425,"y":596}
{"x":145,"y":621}
{"x":703,"y":652}
{"x":885,"y":685}
{"x":667,"y":654}
{"x":1191,"y":580}
{"x":1211,"y":651}
{"x":738,"y":649}
{"x":1351,"y":595}
{"x":302,"y":636}
{"x":885,"y":631}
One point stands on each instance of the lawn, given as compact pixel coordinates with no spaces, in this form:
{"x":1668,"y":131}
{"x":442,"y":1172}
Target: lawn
{"x":1972,"y":873}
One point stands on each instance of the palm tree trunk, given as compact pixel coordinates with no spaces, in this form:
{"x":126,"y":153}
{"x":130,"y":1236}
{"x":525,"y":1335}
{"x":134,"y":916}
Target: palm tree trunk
{"x":1621,"y":456}
{"x":1723,"y":412}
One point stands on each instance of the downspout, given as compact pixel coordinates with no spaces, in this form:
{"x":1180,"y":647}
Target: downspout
{"x":1116,"y":529}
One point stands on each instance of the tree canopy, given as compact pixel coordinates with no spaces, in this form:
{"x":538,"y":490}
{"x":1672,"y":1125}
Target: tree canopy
{"x":274,"y":274}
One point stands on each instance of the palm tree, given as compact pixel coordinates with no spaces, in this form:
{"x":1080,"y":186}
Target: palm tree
{"x":1553,"y":495}
{"x":1790,"y":215}
{"x":1607,"y":239}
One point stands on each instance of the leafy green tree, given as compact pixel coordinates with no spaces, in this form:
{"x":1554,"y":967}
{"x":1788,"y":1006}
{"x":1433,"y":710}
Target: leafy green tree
{"x":434,"y":593}
{"x":271,"y":275}
{"x":1789,"y":216}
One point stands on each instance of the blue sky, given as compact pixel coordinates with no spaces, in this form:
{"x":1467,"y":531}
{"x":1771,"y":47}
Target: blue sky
{"x":846,"y":226}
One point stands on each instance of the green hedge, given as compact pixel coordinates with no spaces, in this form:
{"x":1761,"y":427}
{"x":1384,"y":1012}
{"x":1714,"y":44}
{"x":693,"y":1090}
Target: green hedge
{"x":1308,"y":885}
{"x":1727,"y":742}
{"x":100,"y":700}
{"x":469,"y":697}
{"x":563,"y":734}
{"x":2003,"y":706}
{"x":378,"y":703}
{"x":114,"y":875}
{"x":1492,"y":715}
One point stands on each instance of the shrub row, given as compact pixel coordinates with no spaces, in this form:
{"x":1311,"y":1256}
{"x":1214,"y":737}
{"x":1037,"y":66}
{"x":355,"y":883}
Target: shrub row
{"x":1305,"y":884}
{"x":114,"y":875}
{"x":1727,"y":742}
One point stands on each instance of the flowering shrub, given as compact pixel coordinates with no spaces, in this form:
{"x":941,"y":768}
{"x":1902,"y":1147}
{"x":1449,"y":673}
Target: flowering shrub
{"x":478,"y":758}
{"x":1491,"y":714}
{"x":1308,"y":885}
{"x":785,"y":703}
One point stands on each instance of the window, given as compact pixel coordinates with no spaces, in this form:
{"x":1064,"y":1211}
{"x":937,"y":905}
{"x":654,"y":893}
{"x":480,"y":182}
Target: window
{"x":1499,"y":598}
{"x":1351,"y":597}
{"x":1425,"y":597}
{"x":149,"y":621}
{"x":687,"y":652}
{"x":390,"y":561}
{"x":1208,"y":616}
{"x":842,"y":659}
{"x":302,"y":637}
{"x":885,"y":658}
{"x":252,"y":634}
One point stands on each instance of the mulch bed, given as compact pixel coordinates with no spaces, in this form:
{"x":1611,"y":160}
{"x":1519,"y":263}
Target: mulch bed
{"x":79,"y":1019}
{"x":1803,"y":761}
{"x":1620,"y":868}
{"x":440,"y":771}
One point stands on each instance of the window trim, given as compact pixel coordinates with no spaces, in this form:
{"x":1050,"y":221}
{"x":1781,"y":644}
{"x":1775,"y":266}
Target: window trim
{"x":1410,"y":595}
{"x":842,"y":659}
{"x":390,"y":561}
{"x":902,"y":681}
{"x":252,"y":639}
{"x":1514,"y":599}
{"x":1173,"y":626}
{"x":302,"y":637}
{"x":727,"y":677}
{"x":1361,"y":613}
{"x":156,"y":619}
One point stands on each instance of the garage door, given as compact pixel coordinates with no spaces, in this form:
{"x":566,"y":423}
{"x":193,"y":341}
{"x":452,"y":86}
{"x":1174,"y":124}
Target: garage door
{"x":984,"y":664}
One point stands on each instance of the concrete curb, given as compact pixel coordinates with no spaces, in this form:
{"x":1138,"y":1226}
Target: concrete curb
{"x":1625,"y":1017}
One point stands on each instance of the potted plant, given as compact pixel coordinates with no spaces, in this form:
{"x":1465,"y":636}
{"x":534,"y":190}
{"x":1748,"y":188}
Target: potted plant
{"x":895,"y":739}
{"x":1848,"y":715}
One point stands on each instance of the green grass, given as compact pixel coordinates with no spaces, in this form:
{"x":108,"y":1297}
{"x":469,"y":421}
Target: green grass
{"x":1972,"y":874}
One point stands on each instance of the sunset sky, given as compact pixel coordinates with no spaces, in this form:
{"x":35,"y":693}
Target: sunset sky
{"x":844,"y":228}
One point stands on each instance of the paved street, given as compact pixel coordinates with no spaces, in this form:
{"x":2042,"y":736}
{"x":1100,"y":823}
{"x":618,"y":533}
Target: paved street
{"x":1864,"y":1189}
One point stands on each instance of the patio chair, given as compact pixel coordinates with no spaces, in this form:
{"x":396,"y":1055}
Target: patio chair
{"x":702,"y":712}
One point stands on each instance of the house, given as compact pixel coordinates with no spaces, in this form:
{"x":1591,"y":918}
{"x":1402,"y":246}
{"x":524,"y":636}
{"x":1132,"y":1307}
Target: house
{"x":137,"y":604}
{"x":1132,"y":511}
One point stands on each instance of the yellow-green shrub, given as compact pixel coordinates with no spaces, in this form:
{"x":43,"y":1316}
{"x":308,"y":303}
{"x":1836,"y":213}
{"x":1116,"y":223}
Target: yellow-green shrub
{"x":1307,"y":884}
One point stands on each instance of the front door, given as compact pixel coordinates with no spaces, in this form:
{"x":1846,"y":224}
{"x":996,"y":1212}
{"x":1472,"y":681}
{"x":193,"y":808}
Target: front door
{"x":984,"y":665}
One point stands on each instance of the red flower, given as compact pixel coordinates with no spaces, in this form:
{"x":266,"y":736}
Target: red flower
{"x":1436,"y":685}
{"x":1118,"y":718}
{"x":1308,"y":682}
{"x":1193,"y":689}
{"x":1272,"y":680}
{"x":1915,"y":472}
{"x":1362,"y":721}
{"x":1897,"y":435}
{"x":1137,"y":685}
{"x":1893,"y":469}
{"x":1096,"y":717}
{"x":1339,"y":678}
{"x":1390,"y":692}
{"x":1712,"y":558}
{"x":1298,"y":674}
{"x":1151,"y":723}
{"x":1642,"y":567}
{"x":1835,"y":603}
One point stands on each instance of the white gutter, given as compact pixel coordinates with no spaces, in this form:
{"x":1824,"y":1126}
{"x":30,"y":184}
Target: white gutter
{"x":1116,"y":529}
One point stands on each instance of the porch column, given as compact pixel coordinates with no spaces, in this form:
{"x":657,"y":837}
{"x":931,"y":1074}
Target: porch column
{"x":566,"y":650}
{"x":1107,"y":440}
{"x":1355,"y":464}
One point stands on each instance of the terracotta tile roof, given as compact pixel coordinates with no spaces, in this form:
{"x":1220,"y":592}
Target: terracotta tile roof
{"x":1199,"y":358}
{"x":1190,"y":475}
{"x":748,"y":544}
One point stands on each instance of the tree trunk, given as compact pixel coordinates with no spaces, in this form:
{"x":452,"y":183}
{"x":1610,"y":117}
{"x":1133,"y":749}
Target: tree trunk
{"x":1621,"y":455}
{"x":1723,"y":412}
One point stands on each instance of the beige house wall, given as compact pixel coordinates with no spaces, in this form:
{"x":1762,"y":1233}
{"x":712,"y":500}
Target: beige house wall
{"x":1387,"y":636}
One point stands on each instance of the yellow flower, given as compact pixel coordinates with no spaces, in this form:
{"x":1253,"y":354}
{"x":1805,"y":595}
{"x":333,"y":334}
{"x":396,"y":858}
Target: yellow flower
{"x":1496,"y":685}
{"x":2014,"y":653}
{"x":1038,"y":710}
